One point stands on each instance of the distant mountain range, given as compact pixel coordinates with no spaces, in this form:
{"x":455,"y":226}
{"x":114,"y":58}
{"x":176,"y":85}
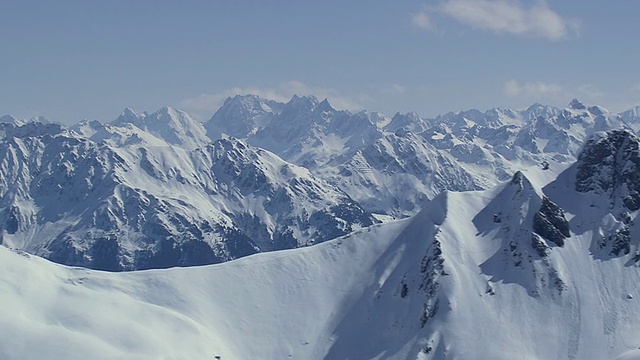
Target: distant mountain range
{"x":162,"y":189}
{"x":542,"y":265}
{"x":475,"y":235}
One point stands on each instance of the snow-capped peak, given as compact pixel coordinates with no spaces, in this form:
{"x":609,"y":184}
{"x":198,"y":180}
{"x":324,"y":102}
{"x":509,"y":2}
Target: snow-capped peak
{"x":129,"y":115}
{"x":171,"y":125}
{"x":575,"y":104}
{"x":241,"y":116}
{"x":8,"y":119}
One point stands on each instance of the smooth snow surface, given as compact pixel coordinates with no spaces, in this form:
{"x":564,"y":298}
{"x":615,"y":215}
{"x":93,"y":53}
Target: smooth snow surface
{"x":279,"y":306}
{"x":377,"y":293}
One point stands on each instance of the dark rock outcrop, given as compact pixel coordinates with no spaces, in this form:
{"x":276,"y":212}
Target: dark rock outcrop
{"x":550,"y":223}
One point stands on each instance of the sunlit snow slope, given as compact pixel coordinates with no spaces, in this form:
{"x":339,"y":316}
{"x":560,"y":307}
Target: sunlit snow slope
{"x":466,"y":278}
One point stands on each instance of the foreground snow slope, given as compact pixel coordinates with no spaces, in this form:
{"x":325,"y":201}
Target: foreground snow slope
{"x":279,"y":306}
{"x":466,"y":278}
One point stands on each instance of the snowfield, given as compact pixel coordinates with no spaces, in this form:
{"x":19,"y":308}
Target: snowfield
{"x":282,"y":305}
{"x":518,"y":236}
{"x":444,"y":284}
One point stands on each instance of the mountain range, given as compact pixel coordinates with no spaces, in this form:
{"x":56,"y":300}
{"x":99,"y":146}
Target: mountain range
{"x":500,"y":234}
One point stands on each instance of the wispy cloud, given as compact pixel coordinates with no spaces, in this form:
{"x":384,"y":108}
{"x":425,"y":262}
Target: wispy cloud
{"x":205,"y":105}
{"x":501,"y":16}
{"x":537,"y":90}
{"x":394,"y":89}
{"x":635,"y":89}
{"x":590,"y":91}
{"x":422,"y":20}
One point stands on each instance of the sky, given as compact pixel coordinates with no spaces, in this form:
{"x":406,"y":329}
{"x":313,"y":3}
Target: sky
{"x":74,"y":59}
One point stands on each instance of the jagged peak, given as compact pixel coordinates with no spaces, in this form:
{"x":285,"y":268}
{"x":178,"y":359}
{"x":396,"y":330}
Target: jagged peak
{"x":597,"y":110}
{"x":36,"y":129}
{"x":39,"y":119}
{"x":298,"y":106}
{"x":521,"y":181}
{"x":608,"y":161}
{"x":536,"y":105}
{"x":171,"y":111}
{"x":308,"y":100}
{"x":436,"y":209}
{"x":130,"y":112}
{"x":128,"y":115}
{"x":608,"y":135}
{"x":575,"y":104}
{"x":519,"y":178}
{"x":244,"y":107}
{"x":9,"y":119}
{"x":539,"y":107}
{"x":239,"y":98}
{"x":411,"y":115}
{"x":325,"y":106}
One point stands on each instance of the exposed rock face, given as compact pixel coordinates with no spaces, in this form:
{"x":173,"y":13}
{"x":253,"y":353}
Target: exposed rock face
{"x":431,"y":270}
{"x":550,"y":222}
{"x":610,"y":165}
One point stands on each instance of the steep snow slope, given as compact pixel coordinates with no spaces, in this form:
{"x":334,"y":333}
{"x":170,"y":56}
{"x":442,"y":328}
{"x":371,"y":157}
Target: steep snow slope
{"x":279,"y":306}
{"x":632,"y":117}
{"x":469,"y":277}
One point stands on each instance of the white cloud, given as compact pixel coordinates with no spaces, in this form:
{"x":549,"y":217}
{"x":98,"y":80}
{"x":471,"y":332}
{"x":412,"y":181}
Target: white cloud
{"x":635,"y":88}
{"x":394,"y":89}
{"x":422,"y":20}
{"x":537,"y":90}
{"x":399,"y":88}
{"x":205,"y":105}
{"x":503,"y":16}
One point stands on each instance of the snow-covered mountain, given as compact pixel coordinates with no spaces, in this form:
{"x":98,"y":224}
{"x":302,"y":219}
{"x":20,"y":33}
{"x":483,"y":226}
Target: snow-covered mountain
{"x":518,"y":235}
{"x":105,"y":201}
{"x":632,"y":117}
{"x":376,"y":159}
{"x":154,"y":190}
{"x":606,"y":185}
{"x":520,"y":270}
{"x":242,"y":115}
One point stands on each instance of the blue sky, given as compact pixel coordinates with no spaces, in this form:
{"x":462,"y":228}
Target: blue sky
{"x":69,"y":60}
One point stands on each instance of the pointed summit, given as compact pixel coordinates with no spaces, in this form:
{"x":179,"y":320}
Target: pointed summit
{"x":538,"y":110}
{"x":307,"y":102}
{"x":325,"y":106}
{"x":128,"y":116}
{"x":8,"y":119}
{"x":575,"y":104}
{"x":520,"y":180}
